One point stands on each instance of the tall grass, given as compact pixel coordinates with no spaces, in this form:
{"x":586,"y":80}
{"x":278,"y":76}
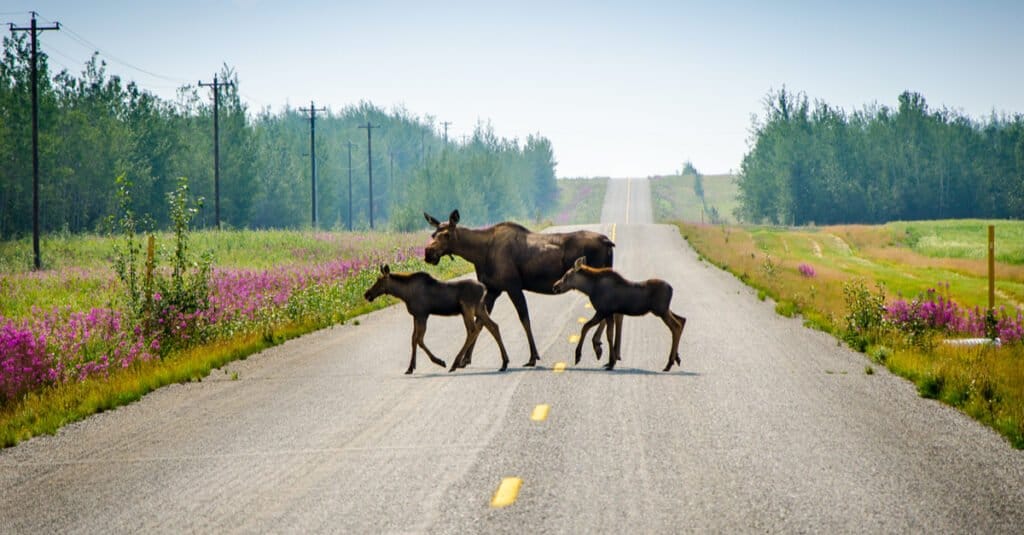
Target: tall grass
{"x":580,"y":200}
{"x":67,"y":349}
{"x":927,"y":297}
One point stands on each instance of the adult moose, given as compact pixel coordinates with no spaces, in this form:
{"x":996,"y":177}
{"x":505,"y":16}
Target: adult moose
{"x":424,"y":296}
{"x":611,"y":293}
{"x":510,"y":258}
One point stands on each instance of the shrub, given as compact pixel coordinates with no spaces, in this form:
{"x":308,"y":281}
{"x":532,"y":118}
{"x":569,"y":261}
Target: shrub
{"x":865,"y":313}
{"x":806,"y":270}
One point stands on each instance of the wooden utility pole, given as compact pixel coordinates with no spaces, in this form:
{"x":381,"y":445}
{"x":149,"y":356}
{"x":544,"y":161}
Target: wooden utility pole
{"x":33,"y":30}
{"x":215,"y":86}
{"x":446,"y":123}
{"x":349,"y":185}
{"x":369,"y":161}
{"x":992,"y":268}
{"x":312,"y":109}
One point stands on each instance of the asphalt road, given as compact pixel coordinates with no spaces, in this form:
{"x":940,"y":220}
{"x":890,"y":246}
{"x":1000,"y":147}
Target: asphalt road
{"x":767,"y":426}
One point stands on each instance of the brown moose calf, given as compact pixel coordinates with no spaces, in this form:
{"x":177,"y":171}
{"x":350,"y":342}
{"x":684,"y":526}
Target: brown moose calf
{"x":612,"y":294}
{"x":424,"y":295}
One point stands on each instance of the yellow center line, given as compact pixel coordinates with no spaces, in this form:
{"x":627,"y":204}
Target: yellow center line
{"x":588,"y":305}
{"x":540,"y":413}
{"x":581,"y":320}
{"x":574,"y":338}
{"x":559,"y":367}
{"x":507,"y":492}
{"x":613,"y":232}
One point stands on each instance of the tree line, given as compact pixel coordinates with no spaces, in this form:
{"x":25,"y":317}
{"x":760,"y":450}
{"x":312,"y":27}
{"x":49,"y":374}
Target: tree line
{"x":95,"y":127}
{"x":818,"y":164}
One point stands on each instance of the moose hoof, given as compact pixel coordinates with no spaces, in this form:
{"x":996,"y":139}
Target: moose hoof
{"x":530,"y":364}
{"x":409,"y":371}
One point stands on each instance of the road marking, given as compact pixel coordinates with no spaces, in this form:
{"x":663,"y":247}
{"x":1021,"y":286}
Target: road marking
{"x":559,"y":367}
{"x":613,"y":232}
{"x":588,"y":305}
{"x":540,"y":413}
{"x":581,"y":320}
{"x":574,"y":338}
{"x":507,"y":492}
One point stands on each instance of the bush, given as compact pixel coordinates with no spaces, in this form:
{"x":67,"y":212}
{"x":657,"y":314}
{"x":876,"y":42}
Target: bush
{"x":865,"y":317}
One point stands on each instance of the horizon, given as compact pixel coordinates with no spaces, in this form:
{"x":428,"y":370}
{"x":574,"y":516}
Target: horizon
{"x":620,"y":90}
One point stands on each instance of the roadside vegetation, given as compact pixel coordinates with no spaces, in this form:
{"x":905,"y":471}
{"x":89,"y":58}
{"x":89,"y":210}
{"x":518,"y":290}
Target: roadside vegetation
{"x":896,"y":292}
{"x":110,"y":325}
{"x":695,"y":198}
{"x":580,"y":200}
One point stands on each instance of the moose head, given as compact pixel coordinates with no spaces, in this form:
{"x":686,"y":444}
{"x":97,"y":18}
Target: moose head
{"x":381,"y":286}
{"x":442,"y":238}
{"x":571,"y":279}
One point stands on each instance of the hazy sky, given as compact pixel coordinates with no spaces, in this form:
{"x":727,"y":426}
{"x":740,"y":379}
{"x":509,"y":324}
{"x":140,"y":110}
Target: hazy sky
{"x":630,"y":88}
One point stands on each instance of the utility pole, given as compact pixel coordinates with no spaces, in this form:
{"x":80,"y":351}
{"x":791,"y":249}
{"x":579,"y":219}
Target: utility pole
{"x":312,"y":109}
{"x":446,"y":123}
{"x":34,"y":30}
{"x":349,"y":185}
{"x":369,"y":161}
{"x":216,"y":142}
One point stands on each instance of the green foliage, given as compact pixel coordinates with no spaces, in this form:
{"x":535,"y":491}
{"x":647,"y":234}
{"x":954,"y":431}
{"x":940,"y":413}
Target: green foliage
{"x":865,"y":316}
{"x":93,"y":126}
{"x":818,"y":164}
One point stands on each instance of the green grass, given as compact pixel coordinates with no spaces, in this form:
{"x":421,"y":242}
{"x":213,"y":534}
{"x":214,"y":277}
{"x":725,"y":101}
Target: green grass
{"x":90,"y":283}
{"x":675,"y":199}
{"x":908,"y":259}
{"x":580,"y":200}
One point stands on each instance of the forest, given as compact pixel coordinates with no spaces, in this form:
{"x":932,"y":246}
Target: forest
{"x":817,"y":164}
{"x":95,"y":127}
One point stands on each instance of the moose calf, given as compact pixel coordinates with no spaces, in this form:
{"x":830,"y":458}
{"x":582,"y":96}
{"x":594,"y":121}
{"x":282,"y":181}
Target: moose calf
{"x":424,"y":295}
{"x":612,"y":294}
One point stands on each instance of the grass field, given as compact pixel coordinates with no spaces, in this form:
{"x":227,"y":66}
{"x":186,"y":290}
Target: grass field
{"x":71,"y":345}
{"x":675,"y":199}
{"x":580,"y":200}
{"x":806,"y":271}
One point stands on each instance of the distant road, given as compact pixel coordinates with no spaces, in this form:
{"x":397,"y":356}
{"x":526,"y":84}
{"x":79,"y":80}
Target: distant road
{"x":768,"y":426}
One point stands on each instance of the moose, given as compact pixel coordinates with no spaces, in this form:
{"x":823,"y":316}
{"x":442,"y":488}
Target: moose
{"x":424,"y":295}
{"x":510,"y":258}
{"x":611,"y":293}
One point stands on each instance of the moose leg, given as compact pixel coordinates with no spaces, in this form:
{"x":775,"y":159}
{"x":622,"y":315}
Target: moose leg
{"x":596,"y":340}
{"x":489,"y":298}
{"x":682,"y":325}
{"x":415,"y":342}
{"x":484,"y":318}
{"x":472,"y":331}
{"x":596,"y":320}
{"x":519,"y":301}
{"x":674,"y":325}
{"x":421,"y":329}
{"x":616,"y":347}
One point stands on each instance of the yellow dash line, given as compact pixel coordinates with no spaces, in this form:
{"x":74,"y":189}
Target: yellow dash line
{"x":588,"y":305}
{"x":581,"y":320}
{"x":507,"y":492}
{"x":574,"y":338}
{"x":540,"y":413}
{"x":559,"y":367}
{"x":613,"y":231}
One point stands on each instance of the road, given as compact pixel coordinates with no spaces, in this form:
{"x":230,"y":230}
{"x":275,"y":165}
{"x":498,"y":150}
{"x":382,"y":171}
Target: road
{"x":767,"y":426}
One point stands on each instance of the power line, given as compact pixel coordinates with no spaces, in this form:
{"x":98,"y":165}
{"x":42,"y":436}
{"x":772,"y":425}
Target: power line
{"x":216,"y":142}
{"x":369,"y":159}
{"x":93,"y":46}
{"x":312,"y":109}
{"x":34,"y":30}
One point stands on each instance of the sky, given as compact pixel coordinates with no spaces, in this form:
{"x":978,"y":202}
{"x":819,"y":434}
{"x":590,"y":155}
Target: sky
{"x":623,"y":89}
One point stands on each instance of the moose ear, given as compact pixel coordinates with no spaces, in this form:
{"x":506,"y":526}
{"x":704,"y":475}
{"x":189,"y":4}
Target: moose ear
{"x":430,"y":219}
{"x":385,"y":269}
{"x":579,"y":262}
{"x":454,"y":218}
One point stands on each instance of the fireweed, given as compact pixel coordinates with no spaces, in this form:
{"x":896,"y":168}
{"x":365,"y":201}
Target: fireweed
{"x":62,"y":345}
{"x":935,"y":312}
